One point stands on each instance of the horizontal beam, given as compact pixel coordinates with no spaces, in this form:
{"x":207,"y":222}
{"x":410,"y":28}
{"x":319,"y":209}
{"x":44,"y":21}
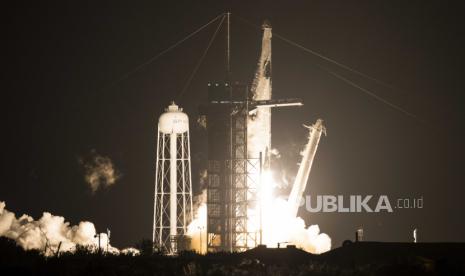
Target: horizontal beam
{"x":273,"y":103}
{"x":279,"y":104}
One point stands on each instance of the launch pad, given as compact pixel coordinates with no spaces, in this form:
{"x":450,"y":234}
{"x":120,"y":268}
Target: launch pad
{"x":233,"y":175}
{"x":238,"y":124}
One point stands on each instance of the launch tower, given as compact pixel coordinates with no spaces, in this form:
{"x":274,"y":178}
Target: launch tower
{"x":238,"y":122}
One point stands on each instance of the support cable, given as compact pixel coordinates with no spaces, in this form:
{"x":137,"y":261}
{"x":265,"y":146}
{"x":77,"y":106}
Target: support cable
{"x":366,"y":91}
{"x":157,"y":56}
{"x":370,"y":93}
{"x":348,"y":68}
{"x":197,"y":66}
{"x":333,"y":61}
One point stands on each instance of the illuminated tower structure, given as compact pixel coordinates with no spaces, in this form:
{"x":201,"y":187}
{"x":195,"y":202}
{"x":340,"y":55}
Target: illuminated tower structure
{"x":238,"y":122}
{"x":173,"y":188}
{"x":232,"y":187}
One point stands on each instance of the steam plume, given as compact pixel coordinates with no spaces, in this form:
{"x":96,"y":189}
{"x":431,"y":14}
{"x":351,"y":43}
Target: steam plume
{"x":50,"y":233}
{"x":99,"y":171}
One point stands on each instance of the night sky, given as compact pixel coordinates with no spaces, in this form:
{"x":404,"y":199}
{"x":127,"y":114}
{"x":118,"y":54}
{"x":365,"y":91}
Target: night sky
{"x":60,"y":102}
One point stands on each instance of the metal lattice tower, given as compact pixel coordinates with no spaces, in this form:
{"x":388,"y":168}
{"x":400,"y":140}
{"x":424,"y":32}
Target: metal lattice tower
{"x":173,"y":188}
{"x":232,"y":174}
{"x":243,"y":177}
{"x":238,"y":122}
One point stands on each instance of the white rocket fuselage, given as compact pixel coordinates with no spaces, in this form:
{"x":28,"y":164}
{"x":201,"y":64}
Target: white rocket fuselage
{"x":259,"y":125}
{"x":305,"y":166}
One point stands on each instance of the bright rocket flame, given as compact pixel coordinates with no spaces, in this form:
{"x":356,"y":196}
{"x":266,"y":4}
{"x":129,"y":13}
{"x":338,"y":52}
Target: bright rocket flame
{"x":197,"y":229}
{"x":280,"y":226}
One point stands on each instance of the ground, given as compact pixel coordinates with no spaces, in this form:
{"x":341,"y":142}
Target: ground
{"x":363,"y":258}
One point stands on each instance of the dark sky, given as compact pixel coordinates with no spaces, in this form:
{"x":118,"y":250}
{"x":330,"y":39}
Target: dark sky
{"x":58,"y":57}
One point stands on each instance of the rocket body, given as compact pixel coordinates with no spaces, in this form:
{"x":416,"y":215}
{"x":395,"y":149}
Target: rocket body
{"x":259,"y":123}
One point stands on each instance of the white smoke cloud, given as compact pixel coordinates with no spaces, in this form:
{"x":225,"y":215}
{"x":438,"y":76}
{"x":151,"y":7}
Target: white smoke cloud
{"x":130,"y":251}
{"x":203,"y":178}
{"x":50,"y":233}
{"x":99,"y":171}
{"x":281,"y":227}
{"x":202,"y":121}
{"x":275,"y":153}
{"x":284,"y":180}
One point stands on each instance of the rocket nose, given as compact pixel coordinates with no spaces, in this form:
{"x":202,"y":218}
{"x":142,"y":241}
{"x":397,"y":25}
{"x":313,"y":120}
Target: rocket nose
{"x":266,"y":24}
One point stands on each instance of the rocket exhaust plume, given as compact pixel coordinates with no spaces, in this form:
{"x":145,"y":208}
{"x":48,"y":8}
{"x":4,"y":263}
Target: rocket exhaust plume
{"x":52,"y":234}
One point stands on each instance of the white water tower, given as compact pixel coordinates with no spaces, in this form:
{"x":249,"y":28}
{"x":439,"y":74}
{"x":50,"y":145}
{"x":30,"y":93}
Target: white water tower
{"x":173,"y":188}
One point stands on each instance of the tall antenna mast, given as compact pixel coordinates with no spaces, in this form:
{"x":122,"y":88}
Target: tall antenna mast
{"x":228,"y":47}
